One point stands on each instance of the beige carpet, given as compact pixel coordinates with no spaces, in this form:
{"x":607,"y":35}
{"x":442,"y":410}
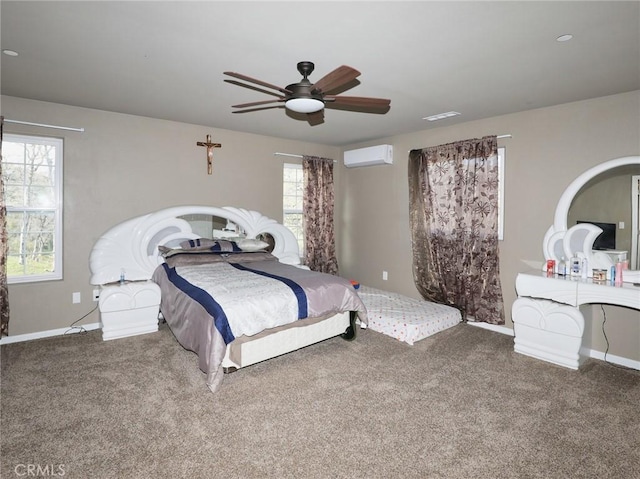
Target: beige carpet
{"x":460,"y":404}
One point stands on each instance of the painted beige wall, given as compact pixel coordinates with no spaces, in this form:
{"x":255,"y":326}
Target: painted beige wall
{"x":124,"y":166}
{"x":548,"y":149}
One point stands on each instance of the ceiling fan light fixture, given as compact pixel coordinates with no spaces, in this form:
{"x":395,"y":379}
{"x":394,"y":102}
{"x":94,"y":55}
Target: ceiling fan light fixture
{"x":304,"y":105}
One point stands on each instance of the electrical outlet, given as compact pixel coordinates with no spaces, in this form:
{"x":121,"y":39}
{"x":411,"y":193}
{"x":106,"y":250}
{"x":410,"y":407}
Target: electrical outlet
{"x":75,"y":298}
{"x":385,"y":276}
{"x":96,"y":294}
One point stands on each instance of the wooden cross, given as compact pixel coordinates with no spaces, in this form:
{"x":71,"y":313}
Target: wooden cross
{"x":210,"y":146}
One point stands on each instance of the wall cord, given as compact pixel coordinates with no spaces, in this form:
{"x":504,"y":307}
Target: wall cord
{"x":79,"y":329}
{"x":604,"y":320}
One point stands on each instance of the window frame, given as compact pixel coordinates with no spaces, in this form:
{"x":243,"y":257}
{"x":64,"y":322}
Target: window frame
{"x":286,"y":211}
{"x":502,"y":153}
{"x":57,"y":209}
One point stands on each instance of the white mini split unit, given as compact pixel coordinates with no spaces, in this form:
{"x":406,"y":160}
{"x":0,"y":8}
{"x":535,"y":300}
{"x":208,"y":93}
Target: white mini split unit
{"x":373,"y":155}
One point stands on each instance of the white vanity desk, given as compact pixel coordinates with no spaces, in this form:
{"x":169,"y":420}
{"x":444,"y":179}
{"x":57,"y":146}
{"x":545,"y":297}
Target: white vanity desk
{"x":547,"y":320}
{"x":548,"y":323}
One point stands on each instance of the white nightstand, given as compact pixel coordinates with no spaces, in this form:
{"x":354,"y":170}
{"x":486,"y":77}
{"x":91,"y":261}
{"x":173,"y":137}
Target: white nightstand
{"x":129,"y":309}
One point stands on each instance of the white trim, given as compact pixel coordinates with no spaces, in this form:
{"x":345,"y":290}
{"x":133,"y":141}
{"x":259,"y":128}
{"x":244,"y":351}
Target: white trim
{"x":58,"y":168}
{"x":492,"y":327}
{"x":501,"y":157}
{"x":635,"y":200}
{"x":44,"y":125}
{"x":611,"y":358}
{"x":50,"y":333}
{"x":591,"y":353}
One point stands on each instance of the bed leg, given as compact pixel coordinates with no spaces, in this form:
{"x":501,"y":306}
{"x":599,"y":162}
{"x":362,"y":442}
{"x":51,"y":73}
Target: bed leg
{"x":229,"y":369}
{"x":350,"y":332}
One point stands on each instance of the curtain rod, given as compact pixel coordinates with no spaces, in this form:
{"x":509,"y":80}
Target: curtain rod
{"x":18,"y":122}
{"x":300,"y":156}
{"x":291,"y":155}
{"x":497,"y":136}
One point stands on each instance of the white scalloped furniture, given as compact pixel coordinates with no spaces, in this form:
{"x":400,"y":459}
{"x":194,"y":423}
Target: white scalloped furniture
{"x":131,"y":248}
{"x":132,"y":308}
{"x":129,"y":309}
{"x":547,"y":321}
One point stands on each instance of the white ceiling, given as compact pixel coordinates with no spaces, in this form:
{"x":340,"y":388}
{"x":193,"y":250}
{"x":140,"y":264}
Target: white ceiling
{"x":165,"y":59}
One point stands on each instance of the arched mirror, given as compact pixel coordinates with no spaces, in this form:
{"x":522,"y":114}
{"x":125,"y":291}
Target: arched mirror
{"x":571,"y":235}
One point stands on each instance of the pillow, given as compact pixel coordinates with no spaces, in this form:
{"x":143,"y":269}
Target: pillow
{"x":205,"y":244}
{"x":187,"y":258}
{"x":223,"y":246}
{"x":250,"y":257}
{"x":250,"y":245}
{"x":184,"y":258}
{"x":167,"y":252}
{"x":197,"y":243}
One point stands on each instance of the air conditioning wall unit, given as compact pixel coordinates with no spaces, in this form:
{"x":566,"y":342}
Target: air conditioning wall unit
{"x":372,"y":155}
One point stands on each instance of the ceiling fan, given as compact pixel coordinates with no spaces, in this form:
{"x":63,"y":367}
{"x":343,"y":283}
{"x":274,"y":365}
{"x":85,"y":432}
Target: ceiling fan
{"x":311,"y":98}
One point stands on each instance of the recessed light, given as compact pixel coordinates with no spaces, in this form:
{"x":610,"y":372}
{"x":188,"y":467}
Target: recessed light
{"x":11,"y":53}
{"x":441,"y":116}
{"x":564,"y":38}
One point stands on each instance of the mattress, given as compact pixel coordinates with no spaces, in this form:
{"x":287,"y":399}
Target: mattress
{"x":208,"y":305}
{"x":403,"y":318}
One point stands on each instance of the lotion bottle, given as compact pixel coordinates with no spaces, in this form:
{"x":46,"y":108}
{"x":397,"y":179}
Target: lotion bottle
{"x":584,"y":273}
{"x":618,"y":279}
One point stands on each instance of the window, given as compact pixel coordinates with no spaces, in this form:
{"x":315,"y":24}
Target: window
{"x":293,"y":190}
{"x":32,"y":173}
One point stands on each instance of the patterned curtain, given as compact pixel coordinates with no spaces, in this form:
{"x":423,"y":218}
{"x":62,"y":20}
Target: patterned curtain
{"x":4,"y":249}
{"x":453,"y":196}
{"x":317,"y":208}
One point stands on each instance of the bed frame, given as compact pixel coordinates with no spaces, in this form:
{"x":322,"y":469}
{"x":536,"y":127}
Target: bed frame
{"x":131,"y":249}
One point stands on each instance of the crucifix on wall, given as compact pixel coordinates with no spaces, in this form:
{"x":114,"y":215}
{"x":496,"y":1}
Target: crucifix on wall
{"x":210,"y":146}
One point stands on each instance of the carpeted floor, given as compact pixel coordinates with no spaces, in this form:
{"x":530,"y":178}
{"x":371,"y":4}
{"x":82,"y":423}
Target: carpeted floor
{"x":460,"y":404}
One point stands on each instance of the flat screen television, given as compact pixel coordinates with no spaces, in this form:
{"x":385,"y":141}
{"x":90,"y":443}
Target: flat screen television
{"x":606,"y":239}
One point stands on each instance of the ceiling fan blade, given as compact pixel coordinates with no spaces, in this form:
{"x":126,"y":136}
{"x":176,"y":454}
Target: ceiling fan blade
{"x":359,"y":101}
{"x":257,"y":82}
{"x":256,"y":103}
{"x":378,"y":106}
{"x":335,"y":79}
{"x":316,"y":117}
{"x":258,"y":109}
{"x":254,"y":88}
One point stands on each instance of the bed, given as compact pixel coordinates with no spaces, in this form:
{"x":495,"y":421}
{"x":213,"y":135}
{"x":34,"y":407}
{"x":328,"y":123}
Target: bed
{"x":234,"y":301}
{"x":406,"y":319}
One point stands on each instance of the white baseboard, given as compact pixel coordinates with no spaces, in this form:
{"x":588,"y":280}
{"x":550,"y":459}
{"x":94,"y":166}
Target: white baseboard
{"x":612,"y":358}
{"x":48,"y":334}
{"x":591,"y":353}
{"x":492,"y":327}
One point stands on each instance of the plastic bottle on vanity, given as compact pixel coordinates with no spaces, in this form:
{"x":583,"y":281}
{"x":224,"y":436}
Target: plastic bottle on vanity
{"x":562,"y":267}
{"x":576,"y":266}
{"x":618,"y":274}
{"x":585,"y":268}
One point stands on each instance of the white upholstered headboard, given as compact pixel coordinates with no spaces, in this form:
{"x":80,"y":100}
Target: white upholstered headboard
{"x":132,"y":246}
